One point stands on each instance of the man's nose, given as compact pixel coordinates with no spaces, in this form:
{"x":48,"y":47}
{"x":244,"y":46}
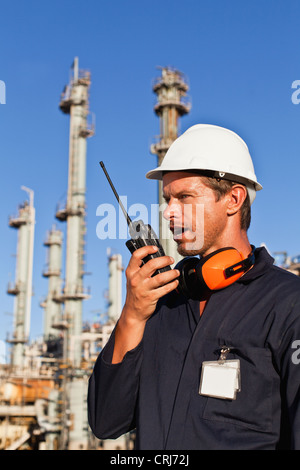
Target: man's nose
{"x":171,"y":211}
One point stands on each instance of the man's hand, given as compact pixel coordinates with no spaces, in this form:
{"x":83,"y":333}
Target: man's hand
{"x":143,"y":290}
{"x":143,"y":293}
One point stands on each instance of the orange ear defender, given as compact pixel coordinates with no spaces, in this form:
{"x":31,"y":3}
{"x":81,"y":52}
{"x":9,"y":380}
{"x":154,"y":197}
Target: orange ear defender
{"x":223,"y":267}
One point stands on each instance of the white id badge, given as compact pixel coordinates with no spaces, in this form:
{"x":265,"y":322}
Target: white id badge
{"x":220,"y":379}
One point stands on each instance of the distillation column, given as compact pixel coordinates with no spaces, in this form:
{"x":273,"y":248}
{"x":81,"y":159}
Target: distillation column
{"x":74,"y":101}
{"x":22,"y":289}
{"x":115,"y":287}
{"x":52,"y":308}
{"x":171,"y":89}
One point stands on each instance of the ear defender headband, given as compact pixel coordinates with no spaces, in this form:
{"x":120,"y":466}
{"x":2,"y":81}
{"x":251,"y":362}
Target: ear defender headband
{"x":223,"y":267}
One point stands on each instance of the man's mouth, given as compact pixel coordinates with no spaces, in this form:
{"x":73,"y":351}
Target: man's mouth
{"x":177,"y":232}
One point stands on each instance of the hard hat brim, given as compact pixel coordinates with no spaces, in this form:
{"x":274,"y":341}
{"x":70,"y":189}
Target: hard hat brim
{"x":157,"y":174}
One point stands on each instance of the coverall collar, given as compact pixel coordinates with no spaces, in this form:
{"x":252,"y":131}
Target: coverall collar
{"x":263,"y":261}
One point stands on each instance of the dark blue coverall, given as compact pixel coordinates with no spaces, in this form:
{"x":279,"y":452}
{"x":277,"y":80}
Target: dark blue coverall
{"x":155,"y":387}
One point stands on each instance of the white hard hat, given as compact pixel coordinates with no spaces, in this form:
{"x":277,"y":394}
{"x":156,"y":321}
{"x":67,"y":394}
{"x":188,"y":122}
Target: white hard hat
{"x":213,"y":150}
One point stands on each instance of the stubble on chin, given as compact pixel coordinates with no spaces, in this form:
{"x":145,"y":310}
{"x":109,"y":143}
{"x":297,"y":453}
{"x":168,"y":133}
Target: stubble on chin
{"x":190,"y":249}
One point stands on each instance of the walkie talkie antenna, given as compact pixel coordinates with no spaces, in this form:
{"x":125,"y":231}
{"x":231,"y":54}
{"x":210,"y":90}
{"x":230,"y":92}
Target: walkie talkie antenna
{"x":129,"y":221}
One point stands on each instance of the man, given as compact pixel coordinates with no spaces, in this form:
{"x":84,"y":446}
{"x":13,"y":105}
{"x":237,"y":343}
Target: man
{"x":203,"y":361}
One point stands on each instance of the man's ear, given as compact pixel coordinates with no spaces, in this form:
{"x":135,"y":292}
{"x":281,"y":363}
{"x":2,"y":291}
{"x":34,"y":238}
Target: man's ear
{"x":237,"y":196}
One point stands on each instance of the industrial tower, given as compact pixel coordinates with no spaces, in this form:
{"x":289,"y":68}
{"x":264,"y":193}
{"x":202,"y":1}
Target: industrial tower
{"x":115,"y":269}
{"x":22,"y":289}
{"x":43,"y":398}
{"x":74,"y":101}
{"x":172,"y":103}
{"x":52,"y":307}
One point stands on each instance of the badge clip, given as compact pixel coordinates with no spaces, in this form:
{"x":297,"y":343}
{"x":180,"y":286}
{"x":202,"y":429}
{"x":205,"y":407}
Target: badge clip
{"x":223,"y":354}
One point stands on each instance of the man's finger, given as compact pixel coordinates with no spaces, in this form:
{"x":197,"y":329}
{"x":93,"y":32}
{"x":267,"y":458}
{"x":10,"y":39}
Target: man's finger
{"x":164,"y":278}
{"x":156,"y":263}
{"x":166,"y":289}
{"x":138,"y":255}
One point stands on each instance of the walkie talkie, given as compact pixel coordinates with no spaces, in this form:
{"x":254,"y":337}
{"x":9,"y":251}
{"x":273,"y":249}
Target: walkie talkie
{"x":141,"y":234}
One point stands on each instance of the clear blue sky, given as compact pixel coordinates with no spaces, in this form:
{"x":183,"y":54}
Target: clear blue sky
{"x":241,"y":58}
